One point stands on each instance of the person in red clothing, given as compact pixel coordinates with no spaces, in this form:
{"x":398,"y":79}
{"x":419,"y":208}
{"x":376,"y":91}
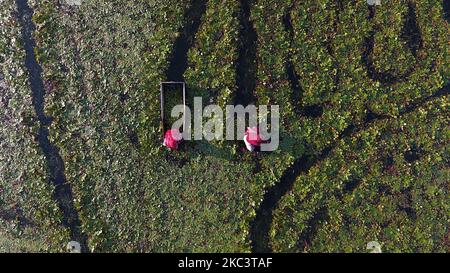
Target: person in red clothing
{"x":252,"y":139}
{"x":172,"y":139}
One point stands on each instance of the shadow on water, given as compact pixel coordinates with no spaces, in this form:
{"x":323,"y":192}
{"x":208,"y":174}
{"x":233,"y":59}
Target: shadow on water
{"x":179,"y":59}
{"x":261,"y":224}
{"x":446,"y":9}
{"x":63,"y":191}
{"x":310,"y":111}
{"x":246,"y":63}
{"x":410,"y":34}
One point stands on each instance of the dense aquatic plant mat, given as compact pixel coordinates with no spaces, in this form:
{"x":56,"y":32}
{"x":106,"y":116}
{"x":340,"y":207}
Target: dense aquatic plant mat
{"x":30,"y":219}
{"x":385,"y":183}
{"x":363,"y":113}
{"x":133,"y":195}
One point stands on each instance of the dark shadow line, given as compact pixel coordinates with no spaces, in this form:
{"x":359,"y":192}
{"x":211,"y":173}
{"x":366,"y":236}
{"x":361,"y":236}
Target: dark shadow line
{"x":310,"y":111}
{"x":62,"y":195}
{"x":446,"y":10}
{"x":305,"y":239}
{"x":246,"y":63}
{"x":179,"y":58}
{"x":293,"y":78}
{"x":297,"y":90}
{"x":410,"y":33}
{"x":261,"y":224}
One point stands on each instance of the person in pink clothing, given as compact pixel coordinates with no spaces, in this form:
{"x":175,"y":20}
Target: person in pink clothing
{"x":172,"y":139}
{"x":252,"y":139}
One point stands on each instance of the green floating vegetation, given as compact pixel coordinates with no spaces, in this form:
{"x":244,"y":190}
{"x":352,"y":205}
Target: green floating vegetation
{"x":212,"y":61}
{"x":173,"y":96}
{"x":330,"y":65}
{"x":387,"y":183}
{"x":30,"y":220}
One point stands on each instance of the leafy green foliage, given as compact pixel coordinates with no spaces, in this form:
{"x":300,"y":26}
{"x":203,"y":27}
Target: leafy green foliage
{"x":330,"y":65}
{"x":132,"y":195}
{"x":29,"y":218}
{"x":371,"y":189}
{"x":213,"y":59}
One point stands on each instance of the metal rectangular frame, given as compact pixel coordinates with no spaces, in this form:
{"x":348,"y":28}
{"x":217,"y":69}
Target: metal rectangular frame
{"x":162,"y":96}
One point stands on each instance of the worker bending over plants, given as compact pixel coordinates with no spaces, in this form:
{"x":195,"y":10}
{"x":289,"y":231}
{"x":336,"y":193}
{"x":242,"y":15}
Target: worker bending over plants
{"x":252,"y":139}
{"x":172,"y":139}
